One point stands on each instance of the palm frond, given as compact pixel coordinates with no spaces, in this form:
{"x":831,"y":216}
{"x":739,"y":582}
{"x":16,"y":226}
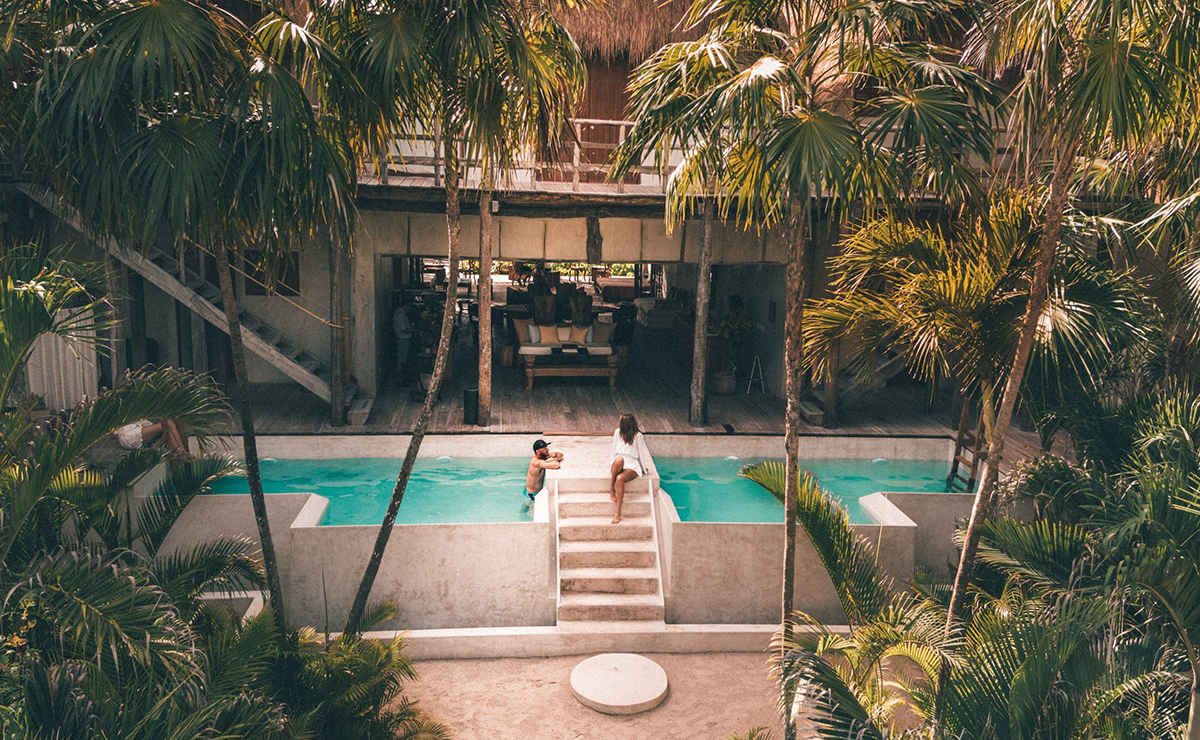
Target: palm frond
{"x":848,"y":559}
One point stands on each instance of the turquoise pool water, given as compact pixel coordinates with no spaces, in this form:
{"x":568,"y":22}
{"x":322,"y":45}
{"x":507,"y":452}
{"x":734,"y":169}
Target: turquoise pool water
{"x":440,"y":491}
{"x":707,"y":489}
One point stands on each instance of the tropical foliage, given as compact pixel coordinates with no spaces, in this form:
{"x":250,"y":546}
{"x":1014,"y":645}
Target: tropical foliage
{"x":491,"y":78}
{"x":950,"y":298}
{"x":109,"y":630}
{"x":1075,"y":628}
{"x":792,"y":110}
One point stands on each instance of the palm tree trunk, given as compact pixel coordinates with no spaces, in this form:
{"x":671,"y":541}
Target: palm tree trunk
{"x":1193,"y":725}
{"x":698,"y":413}
{"x":241,"y":402}
{"x":794,"y":311}
{"x":1038,"y":292}
{"x":453,"y":227}
{"x":337,"y":384}
{"x":485,"y":303}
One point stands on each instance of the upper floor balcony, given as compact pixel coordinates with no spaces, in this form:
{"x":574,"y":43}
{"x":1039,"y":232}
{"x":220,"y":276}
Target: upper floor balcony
{"x":582,"y":168}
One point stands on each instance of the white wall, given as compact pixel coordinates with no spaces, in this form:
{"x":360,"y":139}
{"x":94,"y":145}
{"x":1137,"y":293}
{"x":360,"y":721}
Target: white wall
{"x":303,"y":330}
{"x":439,"y":575}
{"x":732,"y":573}
{"x":61,"y":372}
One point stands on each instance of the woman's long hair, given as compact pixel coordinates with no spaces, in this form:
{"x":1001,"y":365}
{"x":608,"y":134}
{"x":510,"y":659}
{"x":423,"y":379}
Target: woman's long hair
{"x":628,"y":428}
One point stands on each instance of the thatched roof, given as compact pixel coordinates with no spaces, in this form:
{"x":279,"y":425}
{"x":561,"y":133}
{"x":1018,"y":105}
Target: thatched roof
{"x":632,"y":29}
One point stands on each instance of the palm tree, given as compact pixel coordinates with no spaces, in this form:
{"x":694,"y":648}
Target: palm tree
{"x":807,"y":105}
{"x":489,"y":74}
{"x":1120,"y":520}
{"x":1028,"y":664}
{"x":515,"y":119}
{"x":1106,"y":77}
{"x":659,"y":92}
{"x":224,"y":148}
{"x":949,"y":298}
{"x":108,"y":630}
{"x":55,"y":300}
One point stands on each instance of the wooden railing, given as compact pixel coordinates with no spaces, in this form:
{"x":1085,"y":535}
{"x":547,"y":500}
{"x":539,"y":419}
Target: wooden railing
{"x":585,"y":159}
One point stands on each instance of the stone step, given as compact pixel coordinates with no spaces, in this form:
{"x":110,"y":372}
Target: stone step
{"x":611,"y":554}
{"x":602,"y":528}
{"x":600,"y":496}
{"x":610,"y":607}
{"x":608,"y":580}
{"x":599,"y":485}
{"x":639,"y":507}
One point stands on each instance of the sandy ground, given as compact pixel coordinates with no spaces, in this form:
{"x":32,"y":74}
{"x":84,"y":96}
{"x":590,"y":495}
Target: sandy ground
{"x":711,"y":695}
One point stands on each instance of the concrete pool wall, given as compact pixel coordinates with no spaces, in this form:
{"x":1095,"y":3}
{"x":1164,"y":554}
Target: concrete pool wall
{"x":438,"y":575}
{"x":717,"y":572}
{"x":504,"y":575}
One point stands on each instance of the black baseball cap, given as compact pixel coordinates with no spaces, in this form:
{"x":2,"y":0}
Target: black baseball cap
{"x":540,"y":444}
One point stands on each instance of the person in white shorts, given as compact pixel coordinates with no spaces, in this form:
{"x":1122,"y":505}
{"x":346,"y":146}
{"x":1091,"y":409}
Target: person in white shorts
{"x":628,"y":460}
{"x":145,"y":433}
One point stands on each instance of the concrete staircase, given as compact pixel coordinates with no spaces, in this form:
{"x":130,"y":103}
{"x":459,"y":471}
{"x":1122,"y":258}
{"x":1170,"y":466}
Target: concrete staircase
{"x":607,"y":572}
{"x":204,"y":298}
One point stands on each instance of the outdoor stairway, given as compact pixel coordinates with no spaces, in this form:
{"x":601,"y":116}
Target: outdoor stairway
{"x":813,"y":406}
{"x":204,"y":298}
{"x":607,"y":572}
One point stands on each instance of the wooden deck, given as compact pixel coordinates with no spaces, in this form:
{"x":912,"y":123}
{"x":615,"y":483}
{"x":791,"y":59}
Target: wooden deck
{"x":654,"y":386}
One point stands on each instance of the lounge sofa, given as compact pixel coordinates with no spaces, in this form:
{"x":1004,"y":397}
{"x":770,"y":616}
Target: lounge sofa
{"x":569,"y":352}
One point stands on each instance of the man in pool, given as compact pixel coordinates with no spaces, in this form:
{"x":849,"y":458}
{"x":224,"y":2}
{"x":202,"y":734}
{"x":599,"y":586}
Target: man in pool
{"x":543,"y":459}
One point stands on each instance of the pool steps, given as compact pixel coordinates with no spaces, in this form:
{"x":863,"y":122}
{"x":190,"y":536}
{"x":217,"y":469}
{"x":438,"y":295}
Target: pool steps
{"x":601,"y":554}
{"x":601,"y":528}
{"x":607,"y":573}
{"x":610,"y":607}
{"x":609,"y":580}
{"x":598,"y":504}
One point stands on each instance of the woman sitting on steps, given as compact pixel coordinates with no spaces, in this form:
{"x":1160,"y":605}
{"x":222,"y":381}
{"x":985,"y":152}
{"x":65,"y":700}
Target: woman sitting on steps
{"x":628,"y":460}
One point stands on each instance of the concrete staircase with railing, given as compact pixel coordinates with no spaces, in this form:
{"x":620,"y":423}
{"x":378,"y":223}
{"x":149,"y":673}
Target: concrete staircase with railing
{"x":204,"y":298}
{"x":607,"y":572}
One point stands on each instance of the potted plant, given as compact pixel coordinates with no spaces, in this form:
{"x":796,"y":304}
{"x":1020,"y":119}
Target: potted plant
{"x":731,"y":332}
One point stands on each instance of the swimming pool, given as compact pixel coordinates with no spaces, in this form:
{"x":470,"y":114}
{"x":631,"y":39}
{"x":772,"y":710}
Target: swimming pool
{"x":441,"y":490}
{"x":708,"y":489}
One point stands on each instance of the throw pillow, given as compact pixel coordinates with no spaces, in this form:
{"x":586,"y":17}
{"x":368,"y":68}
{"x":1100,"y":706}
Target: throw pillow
{"x":522,"y":327}
{"x":549,"y":334}
{"x":579,"y":334}
{"x":602,"y":333}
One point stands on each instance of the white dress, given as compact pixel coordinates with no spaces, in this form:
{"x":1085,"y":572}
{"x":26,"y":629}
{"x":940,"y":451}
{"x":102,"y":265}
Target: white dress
{"x":130,"y":435}
{"x":634,"y":454}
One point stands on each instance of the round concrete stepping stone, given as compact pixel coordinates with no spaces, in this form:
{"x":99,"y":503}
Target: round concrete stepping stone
{"x":619,"y":683}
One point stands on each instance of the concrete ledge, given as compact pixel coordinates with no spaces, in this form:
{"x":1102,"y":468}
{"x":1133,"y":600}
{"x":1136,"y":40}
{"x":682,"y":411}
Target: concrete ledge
{"x":545,"y":642}
{"x":312,"y":513}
